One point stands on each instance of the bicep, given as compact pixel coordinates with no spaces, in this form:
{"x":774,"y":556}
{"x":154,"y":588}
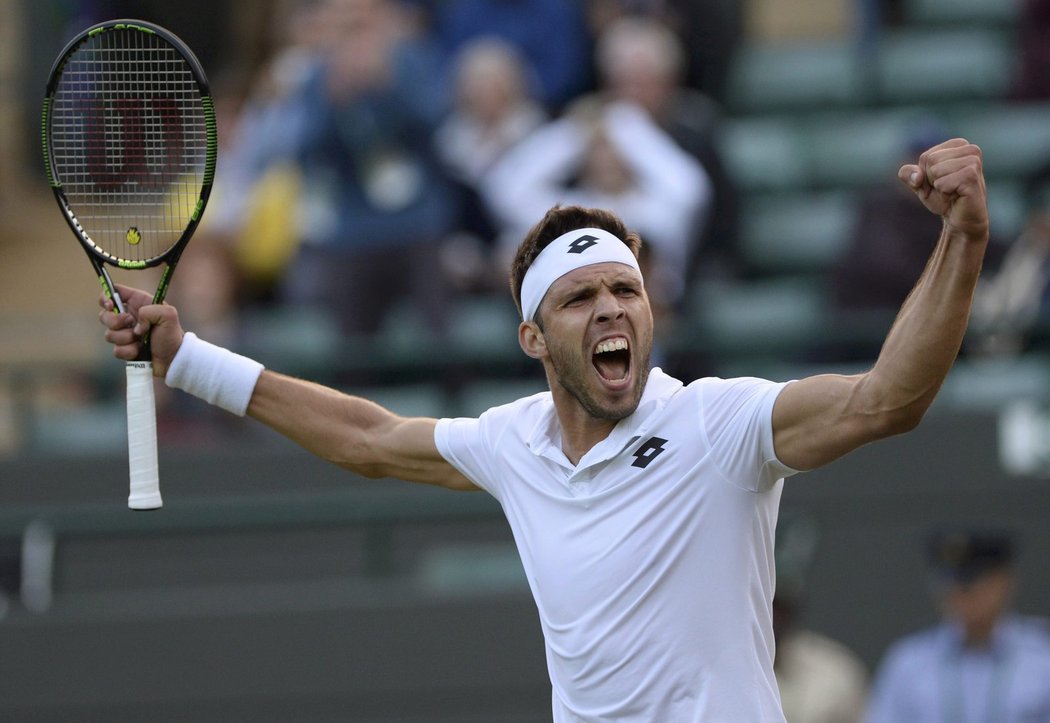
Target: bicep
{"x":819,"y":419}
{"x":405,"y":448}
{"x":353,"y":432}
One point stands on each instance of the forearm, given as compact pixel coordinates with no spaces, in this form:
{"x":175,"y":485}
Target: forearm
{"x":819,"y":419}
{"x":332,"y":425}
{"x":352,"y":432}
{"x":328,"y":423}
{"x":928,"y":332}
{"x":349,"y":431}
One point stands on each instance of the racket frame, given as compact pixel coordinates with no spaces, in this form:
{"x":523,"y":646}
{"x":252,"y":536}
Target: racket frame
{"x":145,"y":492}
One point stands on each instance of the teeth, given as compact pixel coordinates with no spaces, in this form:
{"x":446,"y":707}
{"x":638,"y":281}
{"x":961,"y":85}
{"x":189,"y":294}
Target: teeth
{"x":611,"y":345}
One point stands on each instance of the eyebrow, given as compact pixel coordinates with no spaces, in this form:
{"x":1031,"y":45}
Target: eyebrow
{"x":590,"y":286}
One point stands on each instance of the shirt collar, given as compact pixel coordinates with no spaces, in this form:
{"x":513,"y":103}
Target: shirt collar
{"x":953,"y":637}
{"x":545,"y":438}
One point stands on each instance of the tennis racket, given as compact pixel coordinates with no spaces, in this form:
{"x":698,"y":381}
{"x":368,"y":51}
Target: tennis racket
{"x":129,"y":142}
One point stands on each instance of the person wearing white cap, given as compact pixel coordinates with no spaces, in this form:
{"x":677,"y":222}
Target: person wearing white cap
{"x":643,"y":508}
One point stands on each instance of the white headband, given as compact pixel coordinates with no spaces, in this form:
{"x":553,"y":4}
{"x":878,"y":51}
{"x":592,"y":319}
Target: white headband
{"x":582,"y":247}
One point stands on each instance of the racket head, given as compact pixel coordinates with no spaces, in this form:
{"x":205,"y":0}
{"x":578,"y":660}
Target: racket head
{"x":129,"y":142}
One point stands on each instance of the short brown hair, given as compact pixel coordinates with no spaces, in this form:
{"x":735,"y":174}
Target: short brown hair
{"x":557,"y":222}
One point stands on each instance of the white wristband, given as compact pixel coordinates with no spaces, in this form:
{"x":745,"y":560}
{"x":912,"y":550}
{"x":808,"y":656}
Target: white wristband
{"x":216,"y":375}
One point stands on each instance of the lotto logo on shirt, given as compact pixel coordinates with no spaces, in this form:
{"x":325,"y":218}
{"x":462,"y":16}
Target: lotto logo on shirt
{"x":649,"y":451}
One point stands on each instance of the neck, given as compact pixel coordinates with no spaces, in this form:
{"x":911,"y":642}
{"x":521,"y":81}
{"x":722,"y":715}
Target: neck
{"x":575,"y":443}
{"x":978,"y":635}
{"x":580,"y":431}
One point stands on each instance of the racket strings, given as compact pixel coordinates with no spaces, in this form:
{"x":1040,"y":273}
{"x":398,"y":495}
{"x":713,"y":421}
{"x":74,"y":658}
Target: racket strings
{"x":129,"y":140}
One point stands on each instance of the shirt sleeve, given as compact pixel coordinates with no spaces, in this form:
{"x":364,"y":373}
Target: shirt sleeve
{"x":737,"y":420}
{"x":462,"y":442}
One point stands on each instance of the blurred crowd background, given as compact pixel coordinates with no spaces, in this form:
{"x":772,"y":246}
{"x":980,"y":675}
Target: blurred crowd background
{"x":379,"y":160}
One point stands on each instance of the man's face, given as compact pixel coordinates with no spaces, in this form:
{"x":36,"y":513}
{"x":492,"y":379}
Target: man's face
{"x":977,"y":604}
{"x":598,"y":329}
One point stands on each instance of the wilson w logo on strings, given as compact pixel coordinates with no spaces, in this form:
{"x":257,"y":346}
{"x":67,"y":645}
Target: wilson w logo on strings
{"x":137,"y":141}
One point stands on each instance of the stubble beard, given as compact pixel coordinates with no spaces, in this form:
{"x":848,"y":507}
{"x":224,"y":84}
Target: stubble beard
{"x":572,"y":377}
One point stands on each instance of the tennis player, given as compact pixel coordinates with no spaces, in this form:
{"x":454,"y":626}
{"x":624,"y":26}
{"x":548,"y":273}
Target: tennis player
{"x":643,"y":509}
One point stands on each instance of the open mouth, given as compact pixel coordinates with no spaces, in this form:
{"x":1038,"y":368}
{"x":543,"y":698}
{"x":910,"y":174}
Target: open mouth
{"x":612,"y":359}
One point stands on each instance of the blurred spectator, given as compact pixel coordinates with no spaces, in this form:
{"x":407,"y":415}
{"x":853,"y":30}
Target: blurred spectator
{"x":261,"y":120}
{"x":1013,"y":303}
{"x":709,"y":32}
{"x":982,"y":663}
{"x":1032,"y":81}
{"x":892,"y":238}
{"x":872,"y":17}
{"x":375,"y":205}
{"x":609,"y":156}
{"x":493,"y":111}
{"x":206,"y":290}
{"x":641,"y":60}
{"x":820,"y":679}
{"x":551,"y":34}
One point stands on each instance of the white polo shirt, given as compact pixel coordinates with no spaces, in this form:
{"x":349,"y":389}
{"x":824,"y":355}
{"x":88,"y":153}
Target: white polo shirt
{"x":651,"y":561}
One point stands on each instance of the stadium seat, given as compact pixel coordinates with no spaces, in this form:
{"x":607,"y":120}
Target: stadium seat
{"x":795,"y":232}
{"x":859,"y":149}
{"x":1006,"y":209}
{"x":770,"y":317}
{"x":776,"y":76}
{"x":1015,"y":138}
{"x":98,"y":428}
{"x":990,"y":384}
{"x":408,"y":400}
{"x":764,"y":152}
{"x":962,"y":12}
{"x":295,"y":340}
{"x":485,"y":326}
{"x":481,"y":394}
{"x":926,"y":66}
{"x":479,"y":329}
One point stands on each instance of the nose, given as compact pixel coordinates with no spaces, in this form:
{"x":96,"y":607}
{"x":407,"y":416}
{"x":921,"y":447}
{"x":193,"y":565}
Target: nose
{"x":608,"y":306}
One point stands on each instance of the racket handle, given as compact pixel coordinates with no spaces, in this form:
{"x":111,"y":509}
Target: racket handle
{"x":142,"y":438}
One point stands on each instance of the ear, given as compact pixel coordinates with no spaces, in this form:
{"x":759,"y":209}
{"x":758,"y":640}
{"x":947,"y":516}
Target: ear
{"x":531,"y":340}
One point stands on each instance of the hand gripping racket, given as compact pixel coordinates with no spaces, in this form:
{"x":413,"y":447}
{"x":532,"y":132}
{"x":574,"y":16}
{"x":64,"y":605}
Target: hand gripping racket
{"x":129,"y":143}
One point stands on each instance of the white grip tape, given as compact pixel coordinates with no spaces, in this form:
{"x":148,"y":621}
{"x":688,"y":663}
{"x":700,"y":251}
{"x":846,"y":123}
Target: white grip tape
{"x":142,"y":438}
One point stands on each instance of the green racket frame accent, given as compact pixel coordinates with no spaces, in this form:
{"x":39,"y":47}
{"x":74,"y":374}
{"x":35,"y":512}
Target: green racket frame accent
{"x":170,"y":256}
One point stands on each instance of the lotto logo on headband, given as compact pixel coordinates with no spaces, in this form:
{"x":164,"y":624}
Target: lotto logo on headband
{"x":564,"y":254}
{"x":582,"y":244}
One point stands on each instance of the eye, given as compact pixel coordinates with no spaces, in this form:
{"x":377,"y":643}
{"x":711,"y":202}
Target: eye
{"x":578,"y":297}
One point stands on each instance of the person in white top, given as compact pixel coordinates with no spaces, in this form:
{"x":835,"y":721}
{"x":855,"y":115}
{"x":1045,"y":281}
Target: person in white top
{"x":643,"y":509}
{"x":609,"y":155}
